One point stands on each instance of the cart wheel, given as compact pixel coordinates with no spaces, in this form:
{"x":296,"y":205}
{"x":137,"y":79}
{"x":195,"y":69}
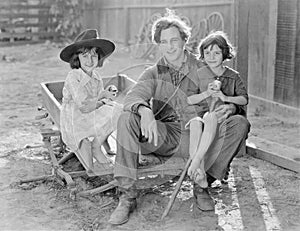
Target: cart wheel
{"x":215,"y":22}
{"x":186,"y":20}
{"x":199,"y":31}
{"x":144,"y":47}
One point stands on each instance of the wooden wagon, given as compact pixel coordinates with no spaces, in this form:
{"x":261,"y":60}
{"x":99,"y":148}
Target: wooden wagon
{"x":52,"y":97}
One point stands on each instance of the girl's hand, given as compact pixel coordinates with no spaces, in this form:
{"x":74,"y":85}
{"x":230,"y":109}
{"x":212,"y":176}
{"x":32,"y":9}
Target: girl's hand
{"x":210,"y":89}
{"x":110,"y":95}
{"x":220,"y":95}
{"x":87,"y":106}
{"x":107,"y":94}
{"x":107,"y":101}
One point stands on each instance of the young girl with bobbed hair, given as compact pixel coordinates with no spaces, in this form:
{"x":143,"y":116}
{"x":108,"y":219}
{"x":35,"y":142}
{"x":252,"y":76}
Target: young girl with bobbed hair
{"x":219,"y":85}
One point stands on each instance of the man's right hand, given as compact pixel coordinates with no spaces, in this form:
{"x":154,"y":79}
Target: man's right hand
{"x":148,"y":124}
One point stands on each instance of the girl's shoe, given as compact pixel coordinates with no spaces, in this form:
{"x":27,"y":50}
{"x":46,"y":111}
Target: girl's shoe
{"x":203,"y":200}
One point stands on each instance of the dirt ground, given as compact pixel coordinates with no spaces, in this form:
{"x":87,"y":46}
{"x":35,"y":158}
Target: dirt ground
{"x":257,"y":196}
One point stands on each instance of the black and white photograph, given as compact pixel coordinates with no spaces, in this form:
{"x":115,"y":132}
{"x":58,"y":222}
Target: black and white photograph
{"x":159,"y":115}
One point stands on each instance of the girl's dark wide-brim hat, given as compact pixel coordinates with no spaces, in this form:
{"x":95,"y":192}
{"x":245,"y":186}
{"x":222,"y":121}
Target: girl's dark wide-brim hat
{"x":87,"y":38}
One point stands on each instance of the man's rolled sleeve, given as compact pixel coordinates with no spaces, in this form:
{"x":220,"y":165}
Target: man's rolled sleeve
{"x":141,"y":93}
{"x":135,"y":107}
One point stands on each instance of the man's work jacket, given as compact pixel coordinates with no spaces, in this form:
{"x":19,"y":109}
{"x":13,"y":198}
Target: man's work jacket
{"x":155,"y":90}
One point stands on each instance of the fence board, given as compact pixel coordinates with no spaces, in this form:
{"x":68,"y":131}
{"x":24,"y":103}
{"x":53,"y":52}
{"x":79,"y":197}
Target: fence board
{"x":28,"y":25}
{"x":27,"y":20}
{"x":135,"y":14}
{"x":285,"y":54}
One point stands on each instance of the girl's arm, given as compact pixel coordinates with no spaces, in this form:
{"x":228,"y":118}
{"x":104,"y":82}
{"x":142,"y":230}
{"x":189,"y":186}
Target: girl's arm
{"x":106,"y":94}
{"x":88,"y":105}
{"x":238,"y":100}
{"x":197,"y":98}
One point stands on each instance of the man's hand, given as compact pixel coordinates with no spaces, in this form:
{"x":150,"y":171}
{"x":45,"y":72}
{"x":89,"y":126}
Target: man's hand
{"x":148,"y":125}
{"x":224,"y":111}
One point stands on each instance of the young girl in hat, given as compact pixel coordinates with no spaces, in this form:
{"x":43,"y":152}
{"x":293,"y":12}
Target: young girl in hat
{"x":88,"y":110}
{"x":219,"y":85}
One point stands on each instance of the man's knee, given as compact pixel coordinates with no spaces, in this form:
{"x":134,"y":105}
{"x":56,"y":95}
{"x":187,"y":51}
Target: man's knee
{"x":128,"y":120}
{"x":239,"y":124}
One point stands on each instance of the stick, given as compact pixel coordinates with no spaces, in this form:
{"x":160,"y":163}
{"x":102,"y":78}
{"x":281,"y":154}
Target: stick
{"x":103,"y":188}
{"x":176,"y":190}
{"x":35,"y":179}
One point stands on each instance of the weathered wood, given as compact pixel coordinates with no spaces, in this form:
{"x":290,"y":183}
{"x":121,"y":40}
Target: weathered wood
{"x":66,"y":157}
{"x":278,"y":154}
{"x":27,"y":21}
{"x":242,"y":38}
{"x":26,"y":25}
{"x":39,"y":178}
{"x":272,"y":29}
{"x":77,"y":173}
{"x":27,"y":34}
{"x":47,"y":141}
{"x":103,"y":188}
{"x":64,"y":175}
{"x":269,"y":107}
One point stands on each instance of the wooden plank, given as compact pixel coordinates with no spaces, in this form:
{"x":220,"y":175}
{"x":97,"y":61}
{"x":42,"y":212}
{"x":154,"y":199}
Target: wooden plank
{"x":25,"y":7}
{"x":163,"y":6}
{"x":285,"y":52}
{"x":297,"y":60}
{"x":28,"y":34}
{"x":269,"y":107}
{"x":257,"y":48}
{"x":27,"y":15}
{"x":173,"y":166}
{"x":278,"y":154}
{"x":272,"y":31}
{"x":242,"y":39}
{"x":51,"y":100}
{"x":24,"y":24}
{"x":18,"y":43}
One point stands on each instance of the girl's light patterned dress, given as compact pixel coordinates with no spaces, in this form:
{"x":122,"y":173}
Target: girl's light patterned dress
{"x":75,"y":125}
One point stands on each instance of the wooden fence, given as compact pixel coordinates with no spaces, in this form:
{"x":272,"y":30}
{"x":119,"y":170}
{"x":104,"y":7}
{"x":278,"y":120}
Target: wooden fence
{"x":130,"y":22}
{"x":270,"y":49}
{"x":25,"y":21}
{"x":265,"y":32}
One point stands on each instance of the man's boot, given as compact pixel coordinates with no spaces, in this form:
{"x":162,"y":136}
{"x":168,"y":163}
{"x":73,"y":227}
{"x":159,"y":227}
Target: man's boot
{"x":202,"y":198}
{"x":127,"y":204}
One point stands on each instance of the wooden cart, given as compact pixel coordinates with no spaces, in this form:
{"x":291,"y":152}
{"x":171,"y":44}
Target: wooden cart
{"x":52,"y":98}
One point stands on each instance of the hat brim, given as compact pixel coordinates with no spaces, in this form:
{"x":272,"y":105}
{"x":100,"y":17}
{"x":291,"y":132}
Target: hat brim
{"x":107,"y":47}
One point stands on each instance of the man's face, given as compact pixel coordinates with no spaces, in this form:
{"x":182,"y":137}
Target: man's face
{"x":171,"y":45}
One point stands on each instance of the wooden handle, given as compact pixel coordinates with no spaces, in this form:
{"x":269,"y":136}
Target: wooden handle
{"x":176,"y":190}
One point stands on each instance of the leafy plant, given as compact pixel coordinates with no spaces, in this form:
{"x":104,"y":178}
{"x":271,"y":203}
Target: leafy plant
{"x":69,"y":15}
